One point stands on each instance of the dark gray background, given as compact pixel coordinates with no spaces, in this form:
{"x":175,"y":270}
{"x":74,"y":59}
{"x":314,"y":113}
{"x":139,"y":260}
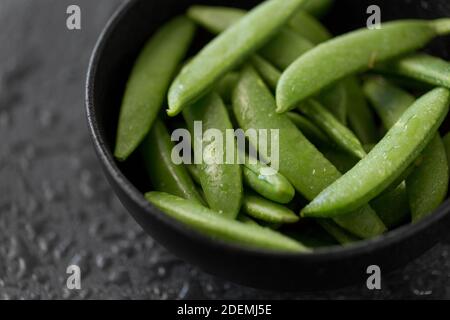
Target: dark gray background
{"x":56,"y":207}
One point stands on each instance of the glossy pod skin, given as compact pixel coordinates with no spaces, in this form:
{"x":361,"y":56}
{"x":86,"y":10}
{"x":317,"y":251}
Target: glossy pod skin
{"x":149,"y":81}
{"x":221,"y":182}
{"x":354,"y":52}
{"x":165,"y":175}
{"x":421,"y":67}
{"x":393,"y":154}
{"x":308,"y":27}
{"x":338,"y":133}
{"x":272,"y":185}
{"x":426,"y":184}
{"x":300,"y":162}
{"x":281,"y":50}
{"x":216,"y":226}
{"x":227,"y":50}
{"x":267,"y":211}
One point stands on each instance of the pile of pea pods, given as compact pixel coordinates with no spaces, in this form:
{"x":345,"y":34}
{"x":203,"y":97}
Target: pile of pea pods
{"x":358,"y":117}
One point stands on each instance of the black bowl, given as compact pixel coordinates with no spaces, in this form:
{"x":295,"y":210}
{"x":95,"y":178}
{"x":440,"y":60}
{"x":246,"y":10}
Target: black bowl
{"x":111,"y":62}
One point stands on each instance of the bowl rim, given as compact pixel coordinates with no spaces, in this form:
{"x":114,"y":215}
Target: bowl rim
{"x":387,"y":239}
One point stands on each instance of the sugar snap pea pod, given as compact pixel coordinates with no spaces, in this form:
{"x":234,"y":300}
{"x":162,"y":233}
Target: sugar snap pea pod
{"x":422,"y":67}
{"x":148,"y":83}
{"x":360,"y":117}
{"x":308,"y":27}
{"x":389,"y":101}
{"x":318,"y":8}
{"x":308,"y":128}
{"x":227,"y":50}
{"x":221,"y":182}
{"x":281,"y":50}
{"x":300,"y":162}
{"x":267,"y":71}
{"x":427,"y":185}
{"x":226,"y":86}
{"x":338,"y":133}
{"x":343,"y":237}
{"x":164,"y":174}
{"x":335,"y":99}
{"x":385,"y":163}
{"x":268,"y":183}
{"x":343,"y":161}
{"x":208,"y":222}
{"x":393,"y":207}
{"x":266,"y":210}
{"x":350,"y":53}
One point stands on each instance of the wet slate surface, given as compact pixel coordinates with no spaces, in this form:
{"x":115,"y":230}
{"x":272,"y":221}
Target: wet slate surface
{"x":56,"y":207}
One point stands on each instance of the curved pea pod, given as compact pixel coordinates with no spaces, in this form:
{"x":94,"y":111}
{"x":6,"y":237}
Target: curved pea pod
{"x":227,"y":50}
{"x":226,"y":86}
{"x":267,"y":182}
{"x":282,"y":49}
{"x":350,"y":53}
{"x":389,"y":101}
{"x":246,"y":219}
{"x":267,"y":211}
{"x":309,"y":28}
{"x":148,"y":83}
{"x":308,"y":128}
{"x":427,"y":185}
{"x":393,"y":207}
{"x":360,"y":117}
{"x":343,"y":161}
{"x":387,"y":161}
{"x":343,"y":237}
{"x":335,"y":99}
{"x":338,"y":133}
{"x":208,"y":222}
{"x":318,"y":8}
{"x":300,"y":162}
{"x":421,"y":67}
{"x":267,"y":71}
{"x":165,"y":175}
{"x":221,"y":182}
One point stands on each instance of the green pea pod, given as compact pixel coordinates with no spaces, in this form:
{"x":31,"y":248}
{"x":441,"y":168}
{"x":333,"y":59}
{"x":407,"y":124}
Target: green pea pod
{"x":148,"y":83}
{"x":421,"y":67}
{"x":343,"y":161}
{"x":309,"y":28}
{"x":208,"y":222}
{"x":343,"y":237}
{"x":300,"y":162}
{"x":221,"y":182}
{"x":393,"y":207}
{"x":338,"y":133}
{"x":226,"y":86}
{"x":350,"y":53}
{"x":281,"y":50}
{"x":268,"y":183}
{"x":389,"y":101}
{"x":308,"y":128}
{"x":335,"y":99}
{"x":267,"y":211}
{"x":427,"y":185}
{"x":227,"y":50}
{"x":318,"y":8}
{"x":360,"y":116}
{"x":268,"y":72}
{"x":164,"y":174}
{"x":385,"y":163}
